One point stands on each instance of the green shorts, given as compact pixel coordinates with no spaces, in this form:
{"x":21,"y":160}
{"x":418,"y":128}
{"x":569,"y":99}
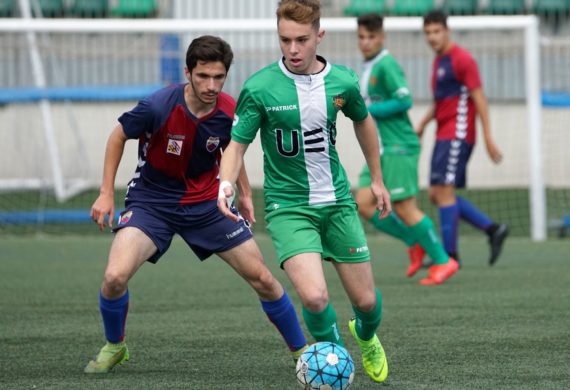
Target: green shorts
{"x":334,"y":231}
{"x":400,"y":172}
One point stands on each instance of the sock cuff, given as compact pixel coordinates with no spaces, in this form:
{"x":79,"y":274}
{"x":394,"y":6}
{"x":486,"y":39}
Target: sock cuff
{"x":113,"y":303}
{"x":277,"y":305}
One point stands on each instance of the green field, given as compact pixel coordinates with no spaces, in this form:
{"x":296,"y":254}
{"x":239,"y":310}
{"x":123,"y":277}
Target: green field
{"x":197,"y":326}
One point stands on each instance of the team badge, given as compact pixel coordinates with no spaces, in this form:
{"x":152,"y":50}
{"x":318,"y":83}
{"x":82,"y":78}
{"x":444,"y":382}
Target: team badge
{"x":373,"y":81}
{"x":338,"y":101}
{"x":126,"y":217}
{"x":212,"y":143}
{"x":440,"y":72}
{"x":174,"y":146}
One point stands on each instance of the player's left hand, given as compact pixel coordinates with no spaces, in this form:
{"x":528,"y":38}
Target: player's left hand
{"x":382,"y":196}
{"x":493,"y":151}
{"x":245,"y":207}
{"x":226,"y":196}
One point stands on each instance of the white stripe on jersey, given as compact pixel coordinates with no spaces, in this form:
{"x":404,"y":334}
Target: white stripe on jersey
{"x":313,"y":112}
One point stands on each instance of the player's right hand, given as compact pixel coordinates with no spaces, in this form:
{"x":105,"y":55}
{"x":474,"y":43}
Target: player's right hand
{"x":226,"y":196}
{"x":104,"y":206}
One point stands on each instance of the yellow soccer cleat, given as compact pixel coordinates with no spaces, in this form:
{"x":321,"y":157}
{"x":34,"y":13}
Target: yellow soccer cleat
{"x":108,"y":357}
{"x":373,"y":355}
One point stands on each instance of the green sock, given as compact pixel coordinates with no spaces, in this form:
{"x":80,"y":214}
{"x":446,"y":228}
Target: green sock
{"x":368,"y":322}
{"x":425,"y":233}
{"x":393,"y":226}
{"x":323,"y":325}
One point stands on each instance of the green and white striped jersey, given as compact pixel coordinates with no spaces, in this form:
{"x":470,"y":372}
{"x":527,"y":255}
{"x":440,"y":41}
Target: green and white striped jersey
{"x":296,"y":115}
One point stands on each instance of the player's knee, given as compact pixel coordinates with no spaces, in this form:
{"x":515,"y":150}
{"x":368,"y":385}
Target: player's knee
{"x":315,"y":300}
{"x":264,"y":283}
{"x":114,"y":284}
{"x":365,"y":303}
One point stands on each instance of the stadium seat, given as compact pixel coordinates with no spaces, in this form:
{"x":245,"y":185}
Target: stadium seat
{"x":7,"y":8}
{"x":551,"y":6}
{"x":460,"y":7}
{"x":135,"y":9}
{"x":361,"y":7}
{"x":505,"y":7}
{"x":553,"y":11}
{"x":411,"y":7}
{"x":89,"y":8}
{"x":51,"y":8}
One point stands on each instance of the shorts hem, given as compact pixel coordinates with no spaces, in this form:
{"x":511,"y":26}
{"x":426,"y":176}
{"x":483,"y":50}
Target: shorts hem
{"x":288,"y":255}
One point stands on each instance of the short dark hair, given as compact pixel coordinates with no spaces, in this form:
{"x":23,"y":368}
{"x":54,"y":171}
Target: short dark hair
{"x":436,"y":17}
{"x":209,"y":49}
{"x":371,"y":21}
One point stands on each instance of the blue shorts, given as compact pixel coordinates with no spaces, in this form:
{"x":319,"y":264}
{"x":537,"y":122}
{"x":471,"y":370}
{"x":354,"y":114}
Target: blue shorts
{"x":449,"y":163}
{"x":202,"y":226}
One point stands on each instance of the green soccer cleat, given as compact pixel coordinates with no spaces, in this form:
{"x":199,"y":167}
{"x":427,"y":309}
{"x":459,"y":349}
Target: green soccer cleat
{"x":373,"y":355}
{"x":108,"y":357}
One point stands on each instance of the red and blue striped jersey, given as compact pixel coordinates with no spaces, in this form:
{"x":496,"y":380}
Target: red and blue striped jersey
{"x":179,"y":154}
{"x":455,"y":75}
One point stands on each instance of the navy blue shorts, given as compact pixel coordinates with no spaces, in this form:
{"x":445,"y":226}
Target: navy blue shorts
{"x":202,"y":226}
{"x":449,"y":163}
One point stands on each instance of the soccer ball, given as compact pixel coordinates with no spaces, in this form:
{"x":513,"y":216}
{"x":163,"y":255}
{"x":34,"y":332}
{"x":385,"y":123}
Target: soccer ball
{"x":325,"y":366}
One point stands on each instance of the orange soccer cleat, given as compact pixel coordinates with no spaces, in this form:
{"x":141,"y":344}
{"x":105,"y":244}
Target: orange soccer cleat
{"x":416,"y":254}
{"x":439,"y":273}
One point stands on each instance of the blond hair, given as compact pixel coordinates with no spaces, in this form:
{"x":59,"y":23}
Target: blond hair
{"x":300,"y":11}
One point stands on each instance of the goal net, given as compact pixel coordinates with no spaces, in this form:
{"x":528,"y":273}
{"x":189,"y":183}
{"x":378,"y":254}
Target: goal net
{"x":96,"y":69}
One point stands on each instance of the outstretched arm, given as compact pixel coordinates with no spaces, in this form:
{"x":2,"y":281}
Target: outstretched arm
{"x":104,"y":205}
{"x":483,"y":112}
{"x":368,"y":139}
{"x":230,"y":167}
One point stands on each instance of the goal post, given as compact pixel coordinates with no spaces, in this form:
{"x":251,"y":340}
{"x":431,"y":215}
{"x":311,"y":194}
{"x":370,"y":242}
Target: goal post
{"x":255,"y":45}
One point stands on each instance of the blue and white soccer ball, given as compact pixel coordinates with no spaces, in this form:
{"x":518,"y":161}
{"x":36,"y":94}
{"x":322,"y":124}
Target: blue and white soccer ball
{"x":325,"y":366}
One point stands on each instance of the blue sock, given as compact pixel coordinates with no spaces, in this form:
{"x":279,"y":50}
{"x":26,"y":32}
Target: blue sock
{"x":114,"y":313}
{"x":472,"y":214}
{"x":282,"y":314}
{"x":449,"y":221}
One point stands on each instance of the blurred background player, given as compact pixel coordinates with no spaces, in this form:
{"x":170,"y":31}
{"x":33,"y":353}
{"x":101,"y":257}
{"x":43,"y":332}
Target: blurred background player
{"x":310,"y":212}
{"x":181,"y":130}
{"x":385,"y":90}
{"x":458,"y":98}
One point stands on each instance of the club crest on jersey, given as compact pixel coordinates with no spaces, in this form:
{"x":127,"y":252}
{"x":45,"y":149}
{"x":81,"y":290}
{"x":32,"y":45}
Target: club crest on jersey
{"x":212,"y":143}
{"x":125,"y":217}
{"x":373,"y":81}
{"x":338,"y":101}
{"x":174,"y":146}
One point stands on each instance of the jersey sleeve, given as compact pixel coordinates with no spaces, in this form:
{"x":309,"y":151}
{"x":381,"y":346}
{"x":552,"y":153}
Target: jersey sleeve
{"x":398,"y":96}
{"x":355,"y":107}
{"x":141,"y":119}
{"x":247,"y":118}
{"x":467,"y":71}
{"x":395,"y":82}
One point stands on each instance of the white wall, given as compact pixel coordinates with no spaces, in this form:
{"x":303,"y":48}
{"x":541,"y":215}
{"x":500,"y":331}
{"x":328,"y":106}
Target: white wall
{"x":23,"y":147}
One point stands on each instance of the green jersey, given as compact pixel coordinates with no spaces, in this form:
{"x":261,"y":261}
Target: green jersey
{"x":296,"y":115}
{"x":383,"y":80}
